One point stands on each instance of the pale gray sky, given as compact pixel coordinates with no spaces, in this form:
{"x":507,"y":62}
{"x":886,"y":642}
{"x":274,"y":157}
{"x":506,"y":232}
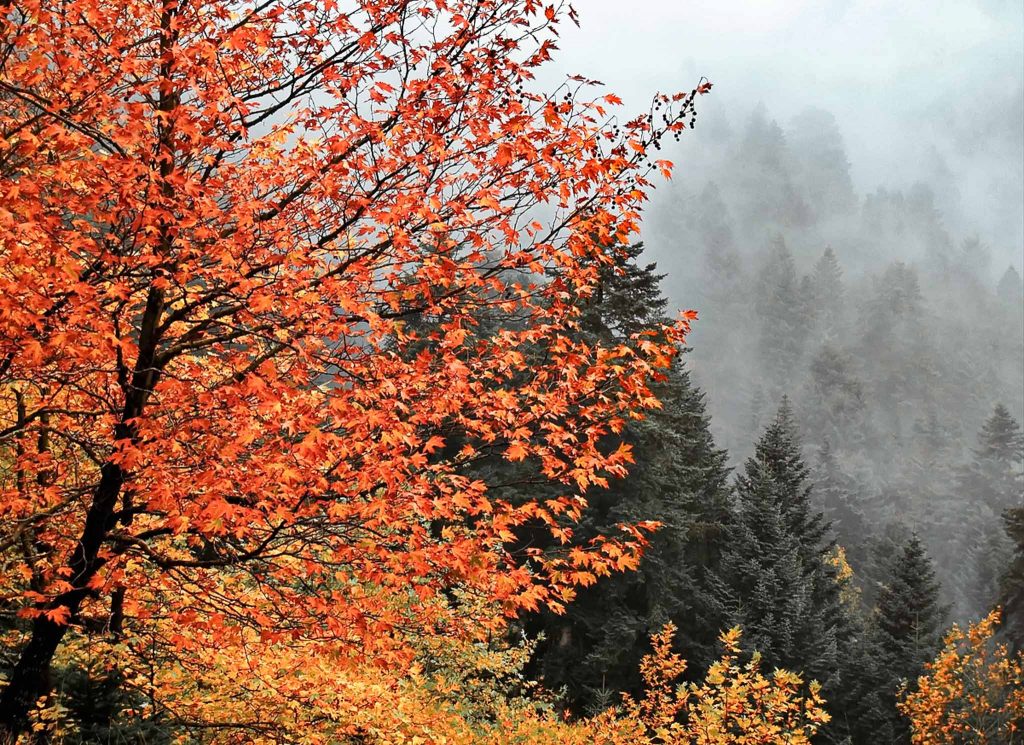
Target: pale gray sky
{"x":901,"y":77}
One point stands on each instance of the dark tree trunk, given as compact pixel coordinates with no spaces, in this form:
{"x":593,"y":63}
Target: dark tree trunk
{"x":30,"y":678}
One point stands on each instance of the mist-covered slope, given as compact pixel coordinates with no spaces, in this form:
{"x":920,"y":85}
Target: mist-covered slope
{"x":888,"y":324}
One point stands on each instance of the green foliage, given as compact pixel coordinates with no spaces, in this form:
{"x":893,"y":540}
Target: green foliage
{"x":834,"y":493}
{"x":680,"y":480}
{"x":1012,"y":581}
{"x":991,"y":483}
{"x":777,"y":579}
{"x":782,"y":308}
{"x":910,"y":615}
{"x":909,"y":622}
{"x":996,"y":474}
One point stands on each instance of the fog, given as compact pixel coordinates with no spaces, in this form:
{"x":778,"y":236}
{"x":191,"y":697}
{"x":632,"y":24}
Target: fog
{"x":915,"y":86}
{"x":893,"y":133}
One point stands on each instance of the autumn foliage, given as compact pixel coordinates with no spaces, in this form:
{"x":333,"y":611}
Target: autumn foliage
{"x":736,"y":702}
{"x":220,"y":431}
{"x":973,"y":692}
{"x":457,"y":691}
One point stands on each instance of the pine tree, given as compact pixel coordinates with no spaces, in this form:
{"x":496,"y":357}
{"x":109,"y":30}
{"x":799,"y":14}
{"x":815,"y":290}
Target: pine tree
{"x":834,"y":492}
{"x":777,"y":578}
{"x":883,"y":546}
{"x":834,"y":407}
{"x":1010,"y":289}
{"x":713,"y":223}
{"x":1011,"y":595}
{"x":895,"y":347}
{"x":990,"y":484}
{"x":989,"y":552}
{"x":868,"y":715}
{"x":824,"y":171}
{"x":782,"y":314}
{"x":679,"y":479}
{"x":909,"y":620}
{"x":909,"y":613}
{"x":768,"y":194}
{"x":628,"y":299}
{"x":828,"y":295}
{"x":997,"y":472}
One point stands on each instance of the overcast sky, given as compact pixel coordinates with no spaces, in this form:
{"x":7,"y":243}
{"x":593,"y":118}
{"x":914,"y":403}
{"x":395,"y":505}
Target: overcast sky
{"x":901,"y":77}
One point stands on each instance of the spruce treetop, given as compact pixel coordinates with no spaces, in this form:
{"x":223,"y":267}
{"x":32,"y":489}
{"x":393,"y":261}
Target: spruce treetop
{"x":1000,"y":437}
{"x":910,"y":615}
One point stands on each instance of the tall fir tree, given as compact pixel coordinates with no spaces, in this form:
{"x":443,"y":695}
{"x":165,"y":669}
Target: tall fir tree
{"x":1011,"y":596}
{"x":868,"y":715}
{"x":835,"y":494}
{"x":783,"y":315}
{"x":895,"y":349}
{"x":909,"y":620}
{"x":910,"y":614}
{"x":778,"y":579}
{"x":763,"y":178}
{"x":991,"y":483}
{"x":834,"y":404}
{"x":680,"y":479}
{"x":822,"y":167}
{"x":996,"y":474}
{"x":882,"y":547}
{"x":828,"y":295}
{"x":1010,"y":288}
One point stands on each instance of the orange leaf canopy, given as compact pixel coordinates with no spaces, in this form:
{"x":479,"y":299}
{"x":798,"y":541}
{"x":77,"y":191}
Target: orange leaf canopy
{"x":244,"y":253}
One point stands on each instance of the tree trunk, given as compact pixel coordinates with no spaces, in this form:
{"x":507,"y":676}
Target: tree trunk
{"x":30,"y":678}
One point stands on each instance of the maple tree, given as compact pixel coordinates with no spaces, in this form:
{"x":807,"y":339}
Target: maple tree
{"x":973,"y":692}
{"x":735,"y":703}
{"x":215,"y":220}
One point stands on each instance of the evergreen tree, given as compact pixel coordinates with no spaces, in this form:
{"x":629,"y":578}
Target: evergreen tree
{"x":767,"y":190}
{"x":782,"y":313}
{"x":828,"y":295}
{"x":973,"y":259}
{"x":996,"y":475}
{"x":679,"y":479}
{"x":989,"y":552}
{"x":807,"y":308}
{"x":883,"y":547}
{"x":777,"y":579}
{"x":895,"y":347}
{"x":628,"y":298}
{"x":909,"y":614}
{"x":868,"y":716}
{"x":719,"y":284}
{"x":834,"y":406}
{"x":1010,"y":289}
{"x":909,"y":620}
{"x":1011,"y":595}
{"x":835,"y":493}
{"x":820,"y":155}
{"x":713,"y":224}
{"x":989,"y":485}
{"x":925,"y":223}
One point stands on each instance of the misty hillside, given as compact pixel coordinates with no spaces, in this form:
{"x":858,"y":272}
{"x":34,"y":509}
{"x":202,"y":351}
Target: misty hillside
{"x":893,"y":336}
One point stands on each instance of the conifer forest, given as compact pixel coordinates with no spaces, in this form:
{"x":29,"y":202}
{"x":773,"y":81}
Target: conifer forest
{"x":373,"y":374}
